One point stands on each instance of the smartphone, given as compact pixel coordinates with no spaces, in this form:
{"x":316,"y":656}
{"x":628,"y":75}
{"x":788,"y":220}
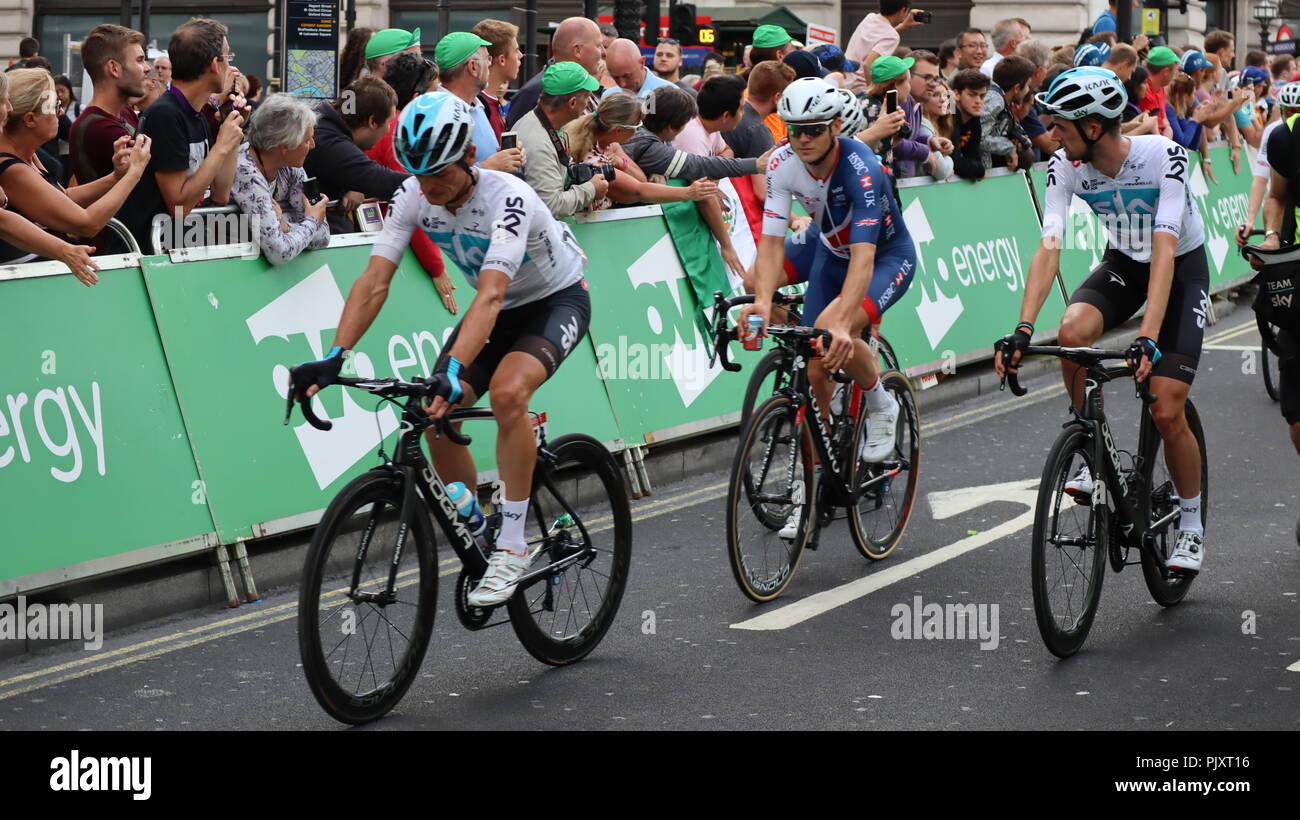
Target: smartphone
{"x":922,"y":16}
{"x":311,"y":189}
{"x":1155,"y":112}
{"x":891,"y":101}
{"x":509,"y":139}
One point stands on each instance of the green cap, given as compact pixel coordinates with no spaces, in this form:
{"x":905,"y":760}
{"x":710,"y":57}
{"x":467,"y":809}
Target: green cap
{"x":884,"y":69}
{"x":566,"y":78}
{"x":1161,"y":56}
{"x":391,"y":41}
{"x":770,"y":37}
{"x":456,"y":48}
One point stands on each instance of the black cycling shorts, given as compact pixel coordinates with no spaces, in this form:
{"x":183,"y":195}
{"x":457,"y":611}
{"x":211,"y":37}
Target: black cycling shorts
{"x":1118,"y":288}
{"x":1288,"y":388}
{"x":548,"y":330}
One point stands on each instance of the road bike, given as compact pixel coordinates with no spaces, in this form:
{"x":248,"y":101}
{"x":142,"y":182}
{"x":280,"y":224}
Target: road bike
{"x":369,"y":586}
{"x":774,"y":482}
{"x":1133,"y":505}
{"x":1268,"y":363}
{"x":772,"y":373}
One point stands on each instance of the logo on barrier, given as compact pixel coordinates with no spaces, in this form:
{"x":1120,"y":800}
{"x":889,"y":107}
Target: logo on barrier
{"x":305,"y":312}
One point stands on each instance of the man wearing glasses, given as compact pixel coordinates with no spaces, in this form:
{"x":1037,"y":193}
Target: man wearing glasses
{"x":925,"y":81}
{"x":856,"y":254}
{"x":972,"y":49}
{"x":187,"y":164}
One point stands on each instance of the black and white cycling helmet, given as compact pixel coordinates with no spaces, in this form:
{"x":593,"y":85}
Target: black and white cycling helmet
{"x":809,"y":99}
{"x":852,"y":118}
{"x":1086,"y":91}
{"x":1288,"y":96}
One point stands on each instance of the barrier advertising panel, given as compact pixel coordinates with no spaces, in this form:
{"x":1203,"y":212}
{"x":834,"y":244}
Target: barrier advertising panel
{"x":94,"y":458}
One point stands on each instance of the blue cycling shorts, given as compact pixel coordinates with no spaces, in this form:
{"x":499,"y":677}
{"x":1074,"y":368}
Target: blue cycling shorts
{"x":807,"y":259}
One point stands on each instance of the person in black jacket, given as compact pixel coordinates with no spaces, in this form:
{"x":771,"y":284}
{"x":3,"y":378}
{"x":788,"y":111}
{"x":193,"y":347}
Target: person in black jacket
{"x":970,"y":87}
{"x":344,"y":131}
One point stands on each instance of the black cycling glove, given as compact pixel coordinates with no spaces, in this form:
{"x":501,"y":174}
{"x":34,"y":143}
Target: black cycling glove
{"x":1142,"y":346}
{"x":1016,"y":341}
{"x":445,"y":381}
{"x":321,"y":373}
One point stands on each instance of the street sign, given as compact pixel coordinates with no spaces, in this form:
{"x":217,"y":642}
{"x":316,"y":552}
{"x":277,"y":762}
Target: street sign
{"x":1151,"y":22}
{"x":820,"y":34}
{"x":310,"y":49}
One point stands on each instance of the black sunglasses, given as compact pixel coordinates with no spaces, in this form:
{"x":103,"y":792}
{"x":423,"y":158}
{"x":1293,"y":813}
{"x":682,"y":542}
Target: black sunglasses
{"x":814,"y":130}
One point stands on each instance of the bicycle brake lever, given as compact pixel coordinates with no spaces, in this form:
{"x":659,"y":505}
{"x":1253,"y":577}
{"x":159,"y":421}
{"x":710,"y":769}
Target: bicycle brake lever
{"x":296,"y":389}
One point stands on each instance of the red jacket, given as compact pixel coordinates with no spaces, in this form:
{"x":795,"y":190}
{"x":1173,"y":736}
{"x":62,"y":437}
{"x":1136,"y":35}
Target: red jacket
{"x":427,"y":252}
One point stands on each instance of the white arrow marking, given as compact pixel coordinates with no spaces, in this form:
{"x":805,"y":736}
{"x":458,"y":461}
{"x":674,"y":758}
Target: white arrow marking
{"x":944,"y":505}
{"x":1295,"y":667}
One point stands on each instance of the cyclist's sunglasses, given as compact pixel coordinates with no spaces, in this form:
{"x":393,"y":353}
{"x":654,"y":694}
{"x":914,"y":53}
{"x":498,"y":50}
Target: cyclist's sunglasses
{"x":810,"y":129}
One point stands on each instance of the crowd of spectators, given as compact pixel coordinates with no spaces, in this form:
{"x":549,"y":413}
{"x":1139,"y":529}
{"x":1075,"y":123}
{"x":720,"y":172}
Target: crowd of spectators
{"x":189,"y":129}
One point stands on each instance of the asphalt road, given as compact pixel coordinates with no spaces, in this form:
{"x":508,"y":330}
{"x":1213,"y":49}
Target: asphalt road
{"x":1217,"y":661}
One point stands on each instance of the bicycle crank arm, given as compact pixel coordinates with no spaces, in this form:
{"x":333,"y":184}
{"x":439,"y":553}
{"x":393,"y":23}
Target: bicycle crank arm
{"x":885,"y":476}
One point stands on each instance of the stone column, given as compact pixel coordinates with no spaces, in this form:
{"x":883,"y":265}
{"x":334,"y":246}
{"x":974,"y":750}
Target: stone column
{"x":16,"y":22}
{"x":1054,"y":21}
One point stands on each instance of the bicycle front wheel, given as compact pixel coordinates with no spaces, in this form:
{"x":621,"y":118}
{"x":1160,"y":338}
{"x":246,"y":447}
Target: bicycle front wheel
{"x":578,"y":510}
{"x":771,"y":374}
{"x":1069,"y":548}
{"x":885,"y":490}
{"x":770,"y":491}
{"x":1168,"y":588}
{"x":362,"y":642}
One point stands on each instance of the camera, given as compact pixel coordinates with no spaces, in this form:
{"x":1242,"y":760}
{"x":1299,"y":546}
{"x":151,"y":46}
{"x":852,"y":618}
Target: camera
{"x":922,"y":16}
{"x":580,"y":172}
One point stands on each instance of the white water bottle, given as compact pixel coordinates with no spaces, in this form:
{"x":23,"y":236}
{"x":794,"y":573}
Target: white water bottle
{"x":468,"y":509}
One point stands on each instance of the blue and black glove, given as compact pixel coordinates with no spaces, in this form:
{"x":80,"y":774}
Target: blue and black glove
{"x":445,"y":381}
{"x":320,"y":373}
{"x":1142,"y":346}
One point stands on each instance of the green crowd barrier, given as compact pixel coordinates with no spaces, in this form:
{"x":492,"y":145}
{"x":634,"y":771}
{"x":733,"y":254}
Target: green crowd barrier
{"x":232,"y":328}
{"x":96,"y":472}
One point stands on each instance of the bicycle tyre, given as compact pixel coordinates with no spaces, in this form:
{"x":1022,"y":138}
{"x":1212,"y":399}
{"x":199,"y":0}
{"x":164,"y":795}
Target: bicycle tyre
{"x":907,"y":457}
{"x":1072,"y":449}
{"x":774,"y":362}
{"x":574,"y":587}
{"x":773,"y":426}
{"x":1165,"y":587}
{"x":332,"y":558}
{"x":1271,"y":372}
{"x":884,"y":351}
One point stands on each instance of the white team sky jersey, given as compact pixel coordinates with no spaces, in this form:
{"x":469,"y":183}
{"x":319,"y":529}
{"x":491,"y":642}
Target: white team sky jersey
{"x":1149,"y":195}
{"x":503,"y":226}
{"x":1260,"y":168}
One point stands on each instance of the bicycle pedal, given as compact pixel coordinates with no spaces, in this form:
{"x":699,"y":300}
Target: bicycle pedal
{"x":1080,"y":498}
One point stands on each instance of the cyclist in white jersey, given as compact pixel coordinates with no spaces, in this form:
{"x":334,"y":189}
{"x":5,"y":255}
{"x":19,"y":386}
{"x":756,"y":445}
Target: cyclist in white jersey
{"x":530,"y":309}
{"x":1137,"y":186}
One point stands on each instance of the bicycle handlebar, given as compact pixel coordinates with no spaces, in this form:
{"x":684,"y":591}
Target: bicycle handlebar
{"x":1084,"y":356}
{"x":723,"y":335}
{"x":387,"y":388}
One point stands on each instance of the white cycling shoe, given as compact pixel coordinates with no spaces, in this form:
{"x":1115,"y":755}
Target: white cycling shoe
{"x":504,"y":570}
{"x":882,"y":433}
{"x":1080,"y":487}
{"x":1188,"y":553}
{"x":791,"y":529}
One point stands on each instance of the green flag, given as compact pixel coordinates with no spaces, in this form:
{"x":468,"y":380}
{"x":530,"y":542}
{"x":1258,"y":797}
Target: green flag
{"x":698,"y":253}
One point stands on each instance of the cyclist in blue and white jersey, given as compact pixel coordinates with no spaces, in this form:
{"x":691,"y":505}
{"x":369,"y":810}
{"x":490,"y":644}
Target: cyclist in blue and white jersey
{"x":530,"y":308}
{"x":1138,"y":188}
{"x":856,"y":254}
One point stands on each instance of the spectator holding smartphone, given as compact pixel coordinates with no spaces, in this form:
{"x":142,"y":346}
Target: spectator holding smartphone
{"x":878,"y":36}
{"x":269,"y":180}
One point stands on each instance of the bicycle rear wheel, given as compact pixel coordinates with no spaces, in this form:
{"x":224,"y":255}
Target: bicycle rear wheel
{"x":1168,"y":588}
{"x":361,"y":650}
{"x":887,"y":489}
{"x":560,"y":617}
{"x":771,"y":479}
{"x":1068,"y":561}
{"x":1269,"y":365}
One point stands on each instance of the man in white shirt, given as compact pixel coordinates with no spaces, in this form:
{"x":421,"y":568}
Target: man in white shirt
{"x":1007,"y":35}
{"x":878,"y":36}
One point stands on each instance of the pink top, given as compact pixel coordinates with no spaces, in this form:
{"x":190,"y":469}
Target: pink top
{"x":695,"y":140}
{"x":874,"y":33}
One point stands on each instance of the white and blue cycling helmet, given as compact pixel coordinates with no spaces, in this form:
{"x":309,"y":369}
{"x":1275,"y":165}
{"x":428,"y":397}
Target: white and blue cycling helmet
{"x":1083,"y":92}
{"x":434,"y":132}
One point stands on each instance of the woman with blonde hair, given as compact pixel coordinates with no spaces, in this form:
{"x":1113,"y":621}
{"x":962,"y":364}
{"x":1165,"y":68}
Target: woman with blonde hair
{"x":597,"y":138}
{"x":31,"y":117}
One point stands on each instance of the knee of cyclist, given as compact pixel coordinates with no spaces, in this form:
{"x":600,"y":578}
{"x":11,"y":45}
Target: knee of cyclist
{"x":1072,"y":334}
{"x":1168,"y":418}
{"x":509,"y":399}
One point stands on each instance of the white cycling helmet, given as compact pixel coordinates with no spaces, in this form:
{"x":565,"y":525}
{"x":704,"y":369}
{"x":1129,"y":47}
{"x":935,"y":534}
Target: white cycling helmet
{"x":809,"y":99}
{"x":852,"y":118}
{"x":1288,"y":96}
{"x":1086,"y":91}
{"x":434,"y":131}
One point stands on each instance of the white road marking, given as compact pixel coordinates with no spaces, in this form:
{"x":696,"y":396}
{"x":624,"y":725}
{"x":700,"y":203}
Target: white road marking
{"x":1295,"y":667}
{"x":1251,"y":348}
{"x":944,"y":505}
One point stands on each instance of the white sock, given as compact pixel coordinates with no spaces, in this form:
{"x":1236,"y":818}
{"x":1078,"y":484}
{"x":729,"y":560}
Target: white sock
{"x":877,"y":397}
{"x":513,"y":516}
{"x":1190,"y":521}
